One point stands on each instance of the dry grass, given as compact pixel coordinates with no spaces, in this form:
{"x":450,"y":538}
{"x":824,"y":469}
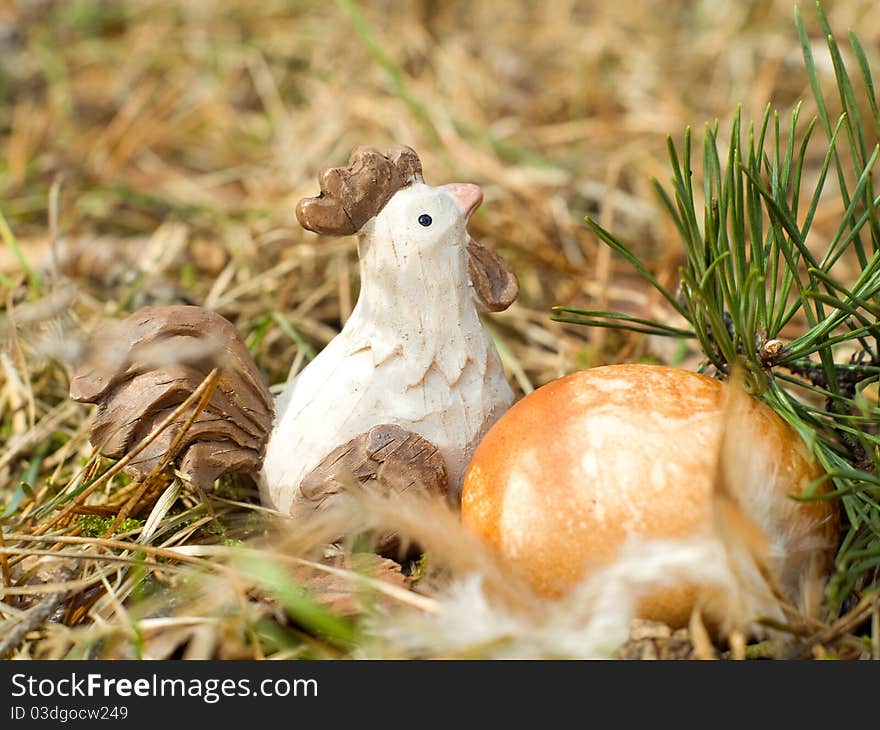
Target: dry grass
{"x":152,"y":153}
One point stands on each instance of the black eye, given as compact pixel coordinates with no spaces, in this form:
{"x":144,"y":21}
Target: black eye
{"x":425,"y":220}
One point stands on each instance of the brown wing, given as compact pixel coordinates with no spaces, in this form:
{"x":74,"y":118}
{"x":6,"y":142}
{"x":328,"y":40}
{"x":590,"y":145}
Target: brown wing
{"x":387,"y":457}
{"x":139,"y":370}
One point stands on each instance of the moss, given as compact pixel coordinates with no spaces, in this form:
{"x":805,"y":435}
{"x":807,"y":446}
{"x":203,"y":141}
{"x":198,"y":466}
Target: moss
{"x":418,"y":568}
{"x":96,"y":526}
{"x":214,"y":527}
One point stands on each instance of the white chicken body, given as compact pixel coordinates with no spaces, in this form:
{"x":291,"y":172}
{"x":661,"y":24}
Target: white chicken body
{"x":413,"y":353}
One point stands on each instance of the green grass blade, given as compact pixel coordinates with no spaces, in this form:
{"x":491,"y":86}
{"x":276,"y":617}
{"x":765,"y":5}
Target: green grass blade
{"x":10,"y":240}
{"x":289,"y":330}
{"x":377,"y":50}
{"x":277,"y":582}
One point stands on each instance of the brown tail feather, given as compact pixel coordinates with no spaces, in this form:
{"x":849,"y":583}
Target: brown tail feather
{"x":139,"y":369}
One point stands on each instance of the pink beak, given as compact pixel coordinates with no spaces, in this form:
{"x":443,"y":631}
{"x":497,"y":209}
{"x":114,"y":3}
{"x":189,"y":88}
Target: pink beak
{"x":468,"y":196}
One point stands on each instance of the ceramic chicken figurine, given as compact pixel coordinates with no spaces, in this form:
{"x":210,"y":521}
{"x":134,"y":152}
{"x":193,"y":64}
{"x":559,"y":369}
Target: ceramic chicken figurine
{"x":401,"y":396}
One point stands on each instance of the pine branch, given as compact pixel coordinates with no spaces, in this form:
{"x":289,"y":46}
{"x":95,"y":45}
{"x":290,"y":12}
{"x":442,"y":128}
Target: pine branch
{"x":753,"y":270}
